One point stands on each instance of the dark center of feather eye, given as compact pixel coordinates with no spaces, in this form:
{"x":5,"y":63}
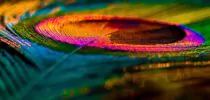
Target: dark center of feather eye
{"x":162,"y":35}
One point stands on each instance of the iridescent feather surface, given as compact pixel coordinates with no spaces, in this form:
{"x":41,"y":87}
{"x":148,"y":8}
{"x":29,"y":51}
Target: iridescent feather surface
{"x":99,"y":49}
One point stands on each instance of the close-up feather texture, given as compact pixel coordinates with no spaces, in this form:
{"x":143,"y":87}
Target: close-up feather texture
{"x":104,"y":49}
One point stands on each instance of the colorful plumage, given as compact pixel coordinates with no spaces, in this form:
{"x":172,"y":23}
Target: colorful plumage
{"x":104,"y":49}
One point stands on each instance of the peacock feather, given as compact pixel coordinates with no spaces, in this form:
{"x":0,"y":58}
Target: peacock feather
{"x":109,"y":49}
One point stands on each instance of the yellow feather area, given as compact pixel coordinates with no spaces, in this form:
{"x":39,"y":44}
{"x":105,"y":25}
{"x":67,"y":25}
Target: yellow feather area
{"x":87,"y":29}
{"x":14,"y":10}
{"x":188,"y":17}
{"x":183,"y":14}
